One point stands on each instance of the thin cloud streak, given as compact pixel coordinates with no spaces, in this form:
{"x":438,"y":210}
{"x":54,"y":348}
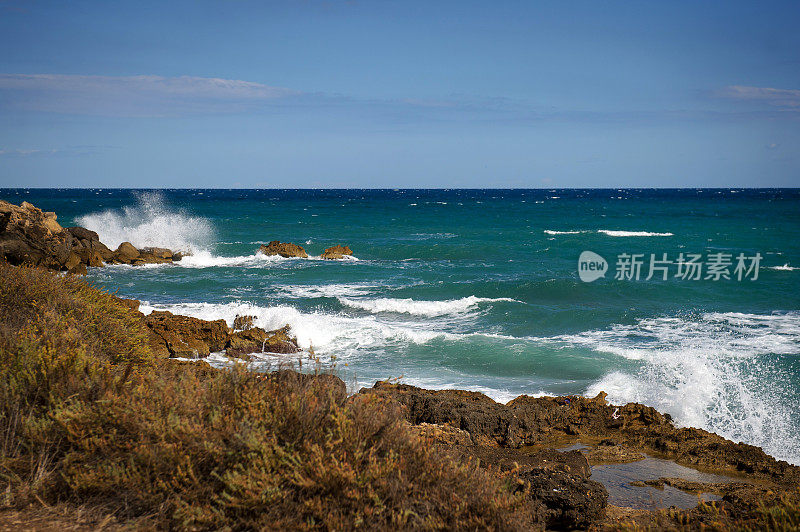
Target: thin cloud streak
{"x":144,"y":95}
{"x":787,"y":98}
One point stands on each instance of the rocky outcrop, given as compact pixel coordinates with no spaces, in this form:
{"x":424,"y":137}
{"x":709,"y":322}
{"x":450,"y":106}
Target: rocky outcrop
{"x":283,"y":249}
{"x":184,"y":336}
{"x":30,"y":236}
{"x":543,"y":420}
{"x":173,"y":335}
{"x":257,"y":340}
{"x":521,"y":438}
{"x":337,"y":252}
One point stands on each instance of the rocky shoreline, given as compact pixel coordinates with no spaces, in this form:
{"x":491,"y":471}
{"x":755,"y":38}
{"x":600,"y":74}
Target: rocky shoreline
{"x":545,"y":447}
{"x":526,"y":438}
{"x":31,"y":236}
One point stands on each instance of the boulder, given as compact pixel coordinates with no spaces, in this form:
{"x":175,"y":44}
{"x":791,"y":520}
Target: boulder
{"x":184,"y":336}
{"x":571,"y":501}
{"x":336,"y":252}
{"x":257,"y":340}
{"x":126,"y":253}
{"x":283,"y":249}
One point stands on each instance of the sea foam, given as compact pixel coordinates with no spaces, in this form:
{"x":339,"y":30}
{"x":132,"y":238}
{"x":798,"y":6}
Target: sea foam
{"x":150,"y":223}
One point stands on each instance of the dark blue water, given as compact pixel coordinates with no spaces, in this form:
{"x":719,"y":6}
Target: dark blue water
{"x":479,"y":289}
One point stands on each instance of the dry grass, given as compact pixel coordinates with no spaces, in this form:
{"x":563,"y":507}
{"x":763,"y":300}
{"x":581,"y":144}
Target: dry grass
{"x":88,"y":419}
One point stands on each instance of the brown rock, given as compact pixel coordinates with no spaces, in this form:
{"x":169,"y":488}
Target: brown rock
{"x":126,"y":253}
{"x":161,"y":253}
{"x":284,"y":249}
{"x":73,"y":261}
{"x":571,"y":501}
{"x":78,"y":269}
{"x":336,"y":252}
{"x":530,"y":421}
{"x":30,"y":236}
{"x":184,"y":336}
{"x":81,"y":233}
{"x":257,"y":340}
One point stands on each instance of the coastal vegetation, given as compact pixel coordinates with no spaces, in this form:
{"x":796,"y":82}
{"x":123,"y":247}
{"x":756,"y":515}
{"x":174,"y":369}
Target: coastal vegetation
{"x":88,"y":417}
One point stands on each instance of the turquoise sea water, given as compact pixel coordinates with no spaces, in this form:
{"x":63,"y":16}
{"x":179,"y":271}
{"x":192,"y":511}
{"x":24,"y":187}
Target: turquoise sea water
{"x":479,"y":289}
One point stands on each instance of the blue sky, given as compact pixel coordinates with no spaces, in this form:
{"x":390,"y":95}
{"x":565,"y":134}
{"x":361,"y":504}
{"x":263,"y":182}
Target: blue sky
{"x":240,"y":93}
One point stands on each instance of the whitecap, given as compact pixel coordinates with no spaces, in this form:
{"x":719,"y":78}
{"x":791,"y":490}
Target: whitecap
{"x":610,"y":232}
{"x":784,"y":268}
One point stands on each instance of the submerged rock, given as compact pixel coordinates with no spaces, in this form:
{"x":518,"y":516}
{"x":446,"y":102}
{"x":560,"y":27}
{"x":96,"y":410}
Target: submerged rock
{"x":336,"y":252}
{"x":283,"y":249}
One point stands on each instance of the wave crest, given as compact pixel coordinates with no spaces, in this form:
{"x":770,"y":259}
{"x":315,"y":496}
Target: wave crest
{"x":420,"y":308}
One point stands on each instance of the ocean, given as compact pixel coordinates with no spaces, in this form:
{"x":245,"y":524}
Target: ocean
{"x":481,"y":289}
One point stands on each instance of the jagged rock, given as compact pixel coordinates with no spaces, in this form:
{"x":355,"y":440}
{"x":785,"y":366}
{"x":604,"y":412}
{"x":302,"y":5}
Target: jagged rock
{"x":572,"y":501}
{"x":608,"y":452}
{"x":90,"y":257}
{"x":257,"y":340}
{"x":72,"y":262}
{"x":540,"y":420}
{"x":30,"y":236}
{"x":184,"y":336}
{"x":336,"y":252}
{"x":242,"y":323}
{"x":284,"y":249}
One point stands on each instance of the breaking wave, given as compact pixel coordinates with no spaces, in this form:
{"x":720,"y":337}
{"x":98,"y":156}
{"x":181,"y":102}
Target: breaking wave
{"x":717,"y":372}
{"x":151,"y":223}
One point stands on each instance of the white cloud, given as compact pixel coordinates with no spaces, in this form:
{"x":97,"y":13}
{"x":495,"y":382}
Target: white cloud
{"x":134,"y":95}
{"x":787,"y":98}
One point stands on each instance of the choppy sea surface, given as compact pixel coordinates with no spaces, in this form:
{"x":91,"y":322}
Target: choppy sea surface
{"x":479,"y":289}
